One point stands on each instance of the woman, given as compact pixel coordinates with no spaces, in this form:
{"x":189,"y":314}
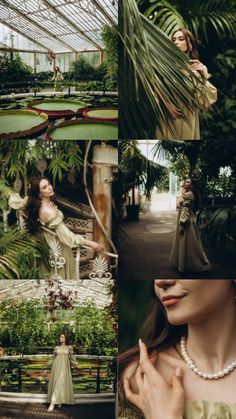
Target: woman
{"x":186,"y":123}
{"x":41,"y":211}
{"x":187,"y":253}
{"x":57,"y":78}
{"x":60,"y":388}
{"x":185,"y":370}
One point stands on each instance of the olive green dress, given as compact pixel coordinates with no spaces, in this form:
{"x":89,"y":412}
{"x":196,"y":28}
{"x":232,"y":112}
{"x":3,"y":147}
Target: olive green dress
{"x":187,"y":254}
{"x":67,"y":238}
{"x":206,"y":95}
{"x":60,"y":388}
{"x":194,"y":409}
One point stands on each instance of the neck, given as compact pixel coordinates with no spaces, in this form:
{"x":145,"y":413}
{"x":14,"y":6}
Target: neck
{"x":212,"y":342}
{"x":63,"y":344}
{"x":46,"y":201}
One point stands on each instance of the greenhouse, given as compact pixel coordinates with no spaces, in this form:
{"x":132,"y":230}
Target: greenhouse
{"x":30,"y":331}
{"x":58,"y":69}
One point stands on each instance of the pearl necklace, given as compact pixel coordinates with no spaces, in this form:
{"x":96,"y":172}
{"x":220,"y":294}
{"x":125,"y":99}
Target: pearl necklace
{"x":196,"y":370}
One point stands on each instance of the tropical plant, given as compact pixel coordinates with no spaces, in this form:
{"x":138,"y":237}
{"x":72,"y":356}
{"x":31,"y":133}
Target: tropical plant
{"x":136,"y":170}
{"x":203,"y":18}
{"x":148,"y":64}
{"x":219,"y":229}
{"x":110,"y":39}
{"x":16,"y":244}
{"x":13,"y":69}
{"x":81,"y":70}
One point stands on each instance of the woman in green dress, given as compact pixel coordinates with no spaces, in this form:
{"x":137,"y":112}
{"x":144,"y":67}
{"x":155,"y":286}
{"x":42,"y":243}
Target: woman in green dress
{"x":41,"y":211}
{"x":60,"y":388}
{"x":185,"y":124}
{"x":186,"y":369}
{"x":187,"y":254}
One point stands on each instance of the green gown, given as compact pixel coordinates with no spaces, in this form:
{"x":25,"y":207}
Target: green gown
{"x":206,"y":95}
{"x":194,"y":409}
{"x":60,"y":388}
{"x":67,"y":238}
{"x":187,"y":254}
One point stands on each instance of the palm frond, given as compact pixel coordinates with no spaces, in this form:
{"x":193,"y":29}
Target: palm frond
{"x":155,"y":79}
{"x":200,"y":16}
{"x":17,"y":243}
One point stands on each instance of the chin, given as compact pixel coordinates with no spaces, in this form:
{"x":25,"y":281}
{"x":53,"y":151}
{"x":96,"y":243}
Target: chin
{"x":177,"y":319}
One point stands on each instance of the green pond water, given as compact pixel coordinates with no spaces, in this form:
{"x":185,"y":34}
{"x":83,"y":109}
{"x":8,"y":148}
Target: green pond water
{"x":14,"y":123}
{"x":85,"y":132}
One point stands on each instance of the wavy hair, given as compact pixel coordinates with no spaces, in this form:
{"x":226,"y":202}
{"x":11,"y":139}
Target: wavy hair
{"x":192,"y":51}
{"x":33,"y":206}
{"x":158,"y":334}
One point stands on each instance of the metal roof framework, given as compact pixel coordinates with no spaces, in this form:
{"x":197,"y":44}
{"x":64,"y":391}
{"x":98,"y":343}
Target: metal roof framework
{"x":60,"y":25}
{"x":83,"y":290}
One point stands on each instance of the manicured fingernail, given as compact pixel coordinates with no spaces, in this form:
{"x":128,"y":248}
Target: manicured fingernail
{"x":139,"y":341}
{"x":179,"y":372}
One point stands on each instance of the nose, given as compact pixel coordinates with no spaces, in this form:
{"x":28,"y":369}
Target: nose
{"x":165,"y":283}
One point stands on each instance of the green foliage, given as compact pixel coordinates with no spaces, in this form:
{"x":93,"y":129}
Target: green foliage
{"x":17,"y":245}
{"x":81,"y":70}
{"x":110,"y":39}
{"x":13,"y":69}
{"x":219,"y":229}
{"x":94,"y":330}
{"x":136,"y":170}
{"x":26,"y":327}
{"x":220,"y":120}
{"x":202,"y":17}
{"x":148,"y":64}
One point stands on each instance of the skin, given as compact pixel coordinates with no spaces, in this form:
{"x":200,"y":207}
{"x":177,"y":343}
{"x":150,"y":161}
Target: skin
{"x":48,"y":210}
{"x":196,"y":65}
{"x":209,"y":309}
{"x":62,"y":340}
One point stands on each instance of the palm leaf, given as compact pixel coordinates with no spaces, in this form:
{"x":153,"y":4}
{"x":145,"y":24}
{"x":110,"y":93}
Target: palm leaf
{"x":154,"y":76}
{"x":19,"y":242}
{"x":200,"y":17}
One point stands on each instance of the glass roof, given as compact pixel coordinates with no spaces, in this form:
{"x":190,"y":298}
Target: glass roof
{"x":83,"y":290}
{"x":60,"y":25}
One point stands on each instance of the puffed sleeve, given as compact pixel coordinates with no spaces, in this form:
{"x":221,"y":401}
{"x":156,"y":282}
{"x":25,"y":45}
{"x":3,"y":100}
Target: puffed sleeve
{"x":16,"y":202}
{"x":206,"y":94}
{"x":72,"y":359}
{"x":65,"y":236}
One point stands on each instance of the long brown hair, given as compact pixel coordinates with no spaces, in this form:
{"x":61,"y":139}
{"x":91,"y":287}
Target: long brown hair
{"x":158,"y":334}
{"x":33,"y":205}
{"x":191,"y":43}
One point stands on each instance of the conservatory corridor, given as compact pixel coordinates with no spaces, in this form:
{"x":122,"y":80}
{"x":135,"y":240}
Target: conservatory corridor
{"x":144,"y":253}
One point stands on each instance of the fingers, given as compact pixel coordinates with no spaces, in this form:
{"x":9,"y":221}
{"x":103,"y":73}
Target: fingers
{"x":145,"y":362}
{"x":130,"y":396}
{"x":177,"y":380}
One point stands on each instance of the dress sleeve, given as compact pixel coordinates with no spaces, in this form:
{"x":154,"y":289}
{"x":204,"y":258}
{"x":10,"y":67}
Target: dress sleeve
{"x":206,"y":94}
{"x":72,"y":359}
{"x":63,"y":233}
{"x":16,"y":202}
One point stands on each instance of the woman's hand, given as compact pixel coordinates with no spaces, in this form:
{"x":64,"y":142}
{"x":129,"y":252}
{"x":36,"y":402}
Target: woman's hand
{"x":156,"y":398}
{"x":95,"y":246}
{"x":196,"y":65}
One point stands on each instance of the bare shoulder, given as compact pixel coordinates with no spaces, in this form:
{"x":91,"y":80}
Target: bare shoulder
{"x":46,"y":213}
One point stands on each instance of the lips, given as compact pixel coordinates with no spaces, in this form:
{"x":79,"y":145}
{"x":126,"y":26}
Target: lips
{"x":169,"y":300}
